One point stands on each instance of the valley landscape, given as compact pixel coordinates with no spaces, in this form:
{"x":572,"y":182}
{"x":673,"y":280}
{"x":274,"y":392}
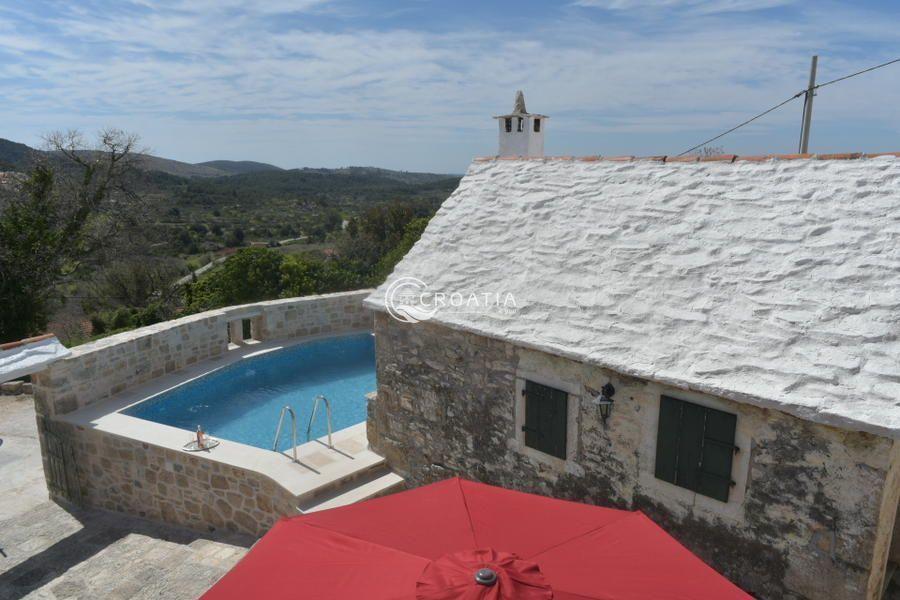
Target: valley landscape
{"x":334,"y":226}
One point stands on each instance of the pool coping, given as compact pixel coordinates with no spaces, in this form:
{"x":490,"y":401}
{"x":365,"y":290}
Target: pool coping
{"x":297,"y":479}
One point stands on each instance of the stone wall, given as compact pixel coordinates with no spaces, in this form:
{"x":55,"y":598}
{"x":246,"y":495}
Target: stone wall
{"x":101,"y":369}
{"x":118,"y":473}
{"x":187,"y":489}
{"x":807,"y":519}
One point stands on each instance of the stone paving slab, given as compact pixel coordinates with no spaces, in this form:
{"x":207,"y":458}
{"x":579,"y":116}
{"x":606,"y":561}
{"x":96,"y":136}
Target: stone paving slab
{"x":48,"y":552}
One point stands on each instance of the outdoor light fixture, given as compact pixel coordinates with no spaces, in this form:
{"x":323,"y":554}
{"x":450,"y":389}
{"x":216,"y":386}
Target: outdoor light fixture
{"x":603,"y":399}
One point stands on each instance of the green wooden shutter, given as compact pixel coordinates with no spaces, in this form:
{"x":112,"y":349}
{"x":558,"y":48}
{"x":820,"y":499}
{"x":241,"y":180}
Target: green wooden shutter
{"x":557,"y":423}
{"x":690,"y":445}
{"x":534,"y":394}
{"x":695,"y":446}
{"x":546,"y":419}
{"x":667,"y":438}
{"x":717,"y":453}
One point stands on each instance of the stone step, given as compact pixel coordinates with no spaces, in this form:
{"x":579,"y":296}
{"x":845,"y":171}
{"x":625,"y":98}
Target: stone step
{"x":341,"y":474}
{"x":375,"y":483}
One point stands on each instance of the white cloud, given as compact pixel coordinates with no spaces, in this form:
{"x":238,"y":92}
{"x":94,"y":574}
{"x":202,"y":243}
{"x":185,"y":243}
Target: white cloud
{"x":699,"y":6}
{"x":219,"y":81}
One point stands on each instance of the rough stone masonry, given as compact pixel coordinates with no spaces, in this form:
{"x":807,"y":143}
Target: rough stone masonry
{"x":94,"y":468}
{"x":810,"y":517}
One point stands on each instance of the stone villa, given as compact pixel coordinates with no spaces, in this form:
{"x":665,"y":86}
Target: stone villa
{"x":713,"y":342}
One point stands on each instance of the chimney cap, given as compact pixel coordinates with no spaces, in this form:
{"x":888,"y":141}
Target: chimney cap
{"x":519,"y":109}
{"x":519,"y":106}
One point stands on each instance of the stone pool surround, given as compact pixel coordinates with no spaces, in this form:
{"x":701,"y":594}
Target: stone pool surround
{"x":126,"y":464}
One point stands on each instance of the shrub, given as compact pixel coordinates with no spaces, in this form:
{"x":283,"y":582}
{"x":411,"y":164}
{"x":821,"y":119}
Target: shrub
{"x":250,"y":275}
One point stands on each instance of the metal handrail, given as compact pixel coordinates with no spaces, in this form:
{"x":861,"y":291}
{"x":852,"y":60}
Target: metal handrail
{"x":315,"y":411}
{"x":293,"y":430}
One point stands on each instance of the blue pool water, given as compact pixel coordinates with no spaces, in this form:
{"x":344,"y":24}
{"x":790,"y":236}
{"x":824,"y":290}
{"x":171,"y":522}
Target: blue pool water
{"x":241,"y":402}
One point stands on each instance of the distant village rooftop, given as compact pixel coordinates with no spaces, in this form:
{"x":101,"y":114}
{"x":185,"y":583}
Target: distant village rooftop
{"x":766,"y":280}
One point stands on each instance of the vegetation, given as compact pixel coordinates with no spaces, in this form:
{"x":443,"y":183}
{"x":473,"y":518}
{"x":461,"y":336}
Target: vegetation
{"x":125,"y":260}
{"x":57,"y":221}
{"x":367,"y":252}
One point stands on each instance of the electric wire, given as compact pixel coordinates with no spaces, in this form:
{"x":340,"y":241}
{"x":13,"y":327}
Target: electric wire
{"x":780,"y":104}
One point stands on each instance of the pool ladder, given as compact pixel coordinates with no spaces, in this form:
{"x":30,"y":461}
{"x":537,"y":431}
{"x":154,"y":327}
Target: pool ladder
{"x":315,"y":411}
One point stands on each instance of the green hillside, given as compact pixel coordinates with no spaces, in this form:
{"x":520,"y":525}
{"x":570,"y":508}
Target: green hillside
{"x":236,"y":167}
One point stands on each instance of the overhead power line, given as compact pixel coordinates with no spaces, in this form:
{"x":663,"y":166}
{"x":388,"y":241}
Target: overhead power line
{"x":782,"y":103}
{"x":884,"y":64}
{"x":747,"y":122}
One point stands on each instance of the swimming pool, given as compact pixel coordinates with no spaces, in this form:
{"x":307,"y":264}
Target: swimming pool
{"x":242,"y":401}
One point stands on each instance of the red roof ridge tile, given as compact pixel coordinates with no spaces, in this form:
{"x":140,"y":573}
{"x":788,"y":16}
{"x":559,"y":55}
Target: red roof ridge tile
{"x":727,"y":158}
{"x":26,"y":341}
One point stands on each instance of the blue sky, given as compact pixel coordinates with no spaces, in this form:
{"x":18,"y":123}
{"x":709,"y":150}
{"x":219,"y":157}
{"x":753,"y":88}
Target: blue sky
{"x":412,"y":84}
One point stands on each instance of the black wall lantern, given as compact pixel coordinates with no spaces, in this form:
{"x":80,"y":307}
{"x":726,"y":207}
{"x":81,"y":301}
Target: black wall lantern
{"x":603,"y":399}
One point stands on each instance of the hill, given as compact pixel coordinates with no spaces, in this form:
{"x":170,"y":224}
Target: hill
{"x":205,"y":207}
{"x":13,"y":155}
{"x":178,"y":168}
{"x":238,"y":167}
{"x":268,"y":205}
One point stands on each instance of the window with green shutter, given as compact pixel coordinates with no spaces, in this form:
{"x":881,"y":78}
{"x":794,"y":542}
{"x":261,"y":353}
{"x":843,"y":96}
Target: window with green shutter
{"x":546,"y":419}
{"x":695,"y":447}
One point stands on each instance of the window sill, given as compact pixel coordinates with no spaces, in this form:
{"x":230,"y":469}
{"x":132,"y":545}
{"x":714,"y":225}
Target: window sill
{"x":556,"y":463}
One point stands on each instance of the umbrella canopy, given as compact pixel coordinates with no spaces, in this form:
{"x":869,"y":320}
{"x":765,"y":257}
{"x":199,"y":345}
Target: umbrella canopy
{"x":463,"y":540}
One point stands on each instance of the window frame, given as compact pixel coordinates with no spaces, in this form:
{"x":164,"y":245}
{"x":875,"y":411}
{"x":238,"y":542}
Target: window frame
{"x":575,"y":392}
{"x":508,"y":124}
{"x":537,"y":125}
{"x":551,"y":402}
{"x":710,"y":430}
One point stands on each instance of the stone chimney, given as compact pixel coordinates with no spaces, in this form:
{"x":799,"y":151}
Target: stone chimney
{"x":521,"y":132}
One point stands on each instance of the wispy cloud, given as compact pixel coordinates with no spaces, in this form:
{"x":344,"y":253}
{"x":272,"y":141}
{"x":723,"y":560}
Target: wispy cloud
{"x":699,"y":6}
{"x":332,"y":83}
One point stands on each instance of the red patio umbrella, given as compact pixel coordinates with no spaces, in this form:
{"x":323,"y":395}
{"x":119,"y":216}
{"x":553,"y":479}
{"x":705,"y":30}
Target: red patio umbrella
{"x":463,"y":540}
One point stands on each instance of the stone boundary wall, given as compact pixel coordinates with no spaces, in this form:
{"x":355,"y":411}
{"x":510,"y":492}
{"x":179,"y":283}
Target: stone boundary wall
{"x":101,"y":369}
{"x":96,"y":468}
{"x":15,"y":388}
{"x":187,"y":489}
{"x":810,"y":517}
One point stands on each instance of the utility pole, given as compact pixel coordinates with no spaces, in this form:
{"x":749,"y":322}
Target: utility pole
{"x":807,"y":107}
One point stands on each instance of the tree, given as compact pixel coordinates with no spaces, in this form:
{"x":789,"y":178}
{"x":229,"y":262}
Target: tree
{"x":67,"y":213}
{"x":302,"y":276}
{"x":352,"y":227}
{"x":332,"y":220}
{"x":250,"y":275}
{"x":136,"y":281}
{"x":235,"y":238}
{"x":411,"y":235}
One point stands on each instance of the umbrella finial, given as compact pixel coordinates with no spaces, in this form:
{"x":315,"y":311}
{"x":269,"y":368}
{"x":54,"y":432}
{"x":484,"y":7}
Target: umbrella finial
{"x":486,"y":577}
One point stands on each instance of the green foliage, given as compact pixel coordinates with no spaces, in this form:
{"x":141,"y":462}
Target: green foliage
{"x":383,"y":237}
{"x":64,"y":214}
{"x":63,"y":233}
{"x":251,"y":275}
{"x":31,"y":256}
{"x":302,"y":276}
{"x":412,"y":232}
{"x":235,"y":237}
{"x":125,"y":318}
{"x":281,"y":204}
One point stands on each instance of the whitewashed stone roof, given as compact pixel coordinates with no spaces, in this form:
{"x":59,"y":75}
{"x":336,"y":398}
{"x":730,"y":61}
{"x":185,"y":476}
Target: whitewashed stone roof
{"x":771,"y":282}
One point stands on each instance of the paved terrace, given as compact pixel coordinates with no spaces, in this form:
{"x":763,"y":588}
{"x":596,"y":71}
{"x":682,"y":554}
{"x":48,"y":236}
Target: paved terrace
{"x":50,"y":553}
